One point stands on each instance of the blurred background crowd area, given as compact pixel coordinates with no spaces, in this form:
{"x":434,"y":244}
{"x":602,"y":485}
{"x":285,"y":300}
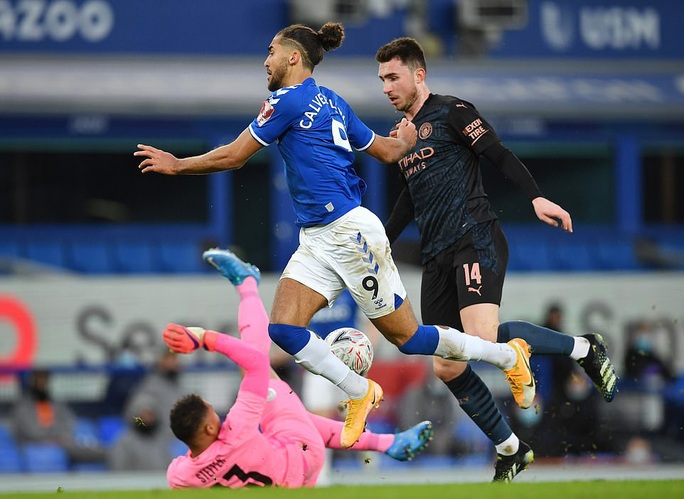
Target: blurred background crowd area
{"x":95,"y":258}
{"x":114,"y":416}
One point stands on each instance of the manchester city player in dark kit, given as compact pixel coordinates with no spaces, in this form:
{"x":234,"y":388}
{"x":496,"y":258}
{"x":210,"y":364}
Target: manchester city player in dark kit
{"x":463,"y":249}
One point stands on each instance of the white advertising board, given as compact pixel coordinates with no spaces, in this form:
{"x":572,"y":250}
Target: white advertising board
{"x":67,"y":321}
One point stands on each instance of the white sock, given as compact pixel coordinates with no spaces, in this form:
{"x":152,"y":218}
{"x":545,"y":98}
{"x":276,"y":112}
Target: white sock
{"x":354,"y":385}
{"x":581,"y":348}
{"x":317,"y":358}
{"x":455,"y":345}
{"x":509,"y":446}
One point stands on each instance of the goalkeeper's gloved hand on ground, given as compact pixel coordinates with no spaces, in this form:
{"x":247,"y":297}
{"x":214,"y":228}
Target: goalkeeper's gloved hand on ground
{"x":183,"y":339}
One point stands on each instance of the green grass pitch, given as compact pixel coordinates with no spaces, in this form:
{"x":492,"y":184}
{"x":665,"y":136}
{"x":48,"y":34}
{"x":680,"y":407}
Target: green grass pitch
{"x":562,"y":490}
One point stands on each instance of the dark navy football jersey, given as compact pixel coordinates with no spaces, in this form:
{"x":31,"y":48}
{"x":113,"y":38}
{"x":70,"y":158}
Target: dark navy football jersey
{"x":443,"y":172}
{"x":316,"y":132}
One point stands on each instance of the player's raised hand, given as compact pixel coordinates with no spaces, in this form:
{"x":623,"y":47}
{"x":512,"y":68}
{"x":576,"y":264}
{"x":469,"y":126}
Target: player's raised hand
{"x":551,"y":213}
{"x":157,"y":161}
{"x":183,"y":339}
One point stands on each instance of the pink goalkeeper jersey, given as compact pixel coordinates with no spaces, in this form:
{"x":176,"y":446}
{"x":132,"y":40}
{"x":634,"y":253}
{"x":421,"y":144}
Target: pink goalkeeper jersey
{"x":243,"y":454}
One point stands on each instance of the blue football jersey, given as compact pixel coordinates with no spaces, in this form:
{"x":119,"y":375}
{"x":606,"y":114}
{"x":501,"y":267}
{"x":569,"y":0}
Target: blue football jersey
{"x":316,"y":132}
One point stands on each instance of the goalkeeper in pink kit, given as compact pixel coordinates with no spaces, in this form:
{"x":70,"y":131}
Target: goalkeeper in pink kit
{"x":268,"y":437}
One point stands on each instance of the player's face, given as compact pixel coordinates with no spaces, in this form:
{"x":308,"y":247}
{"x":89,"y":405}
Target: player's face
{"x":276,"y":65}
{"x":398,"y":84}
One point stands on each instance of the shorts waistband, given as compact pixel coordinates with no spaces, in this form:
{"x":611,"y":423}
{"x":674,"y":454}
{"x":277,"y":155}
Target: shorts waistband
{"x":320,"y":229}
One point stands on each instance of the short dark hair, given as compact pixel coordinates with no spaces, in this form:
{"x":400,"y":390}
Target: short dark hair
{"x":408,"y":50}
{"x":313,"y":44}
{"x":187,"y":416}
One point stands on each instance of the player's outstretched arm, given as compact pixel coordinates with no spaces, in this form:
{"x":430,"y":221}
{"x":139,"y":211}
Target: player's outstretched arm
{"x":228,"y":157}
{"x":551,"y":213}
{"x":391,"y":149}
{"x":256,"y":364}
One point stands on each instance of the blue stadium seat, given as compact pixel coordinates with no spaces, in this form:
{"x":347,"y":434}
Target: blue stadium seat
{"x":86,"y":432}
{"x":10,"y":459}
{"x":6,"y":436}
{"x":181,"y":257}
{"x":10,"y":248}
{"x":110,"y":429}
{"x":10,"y":255}
{"x":92,"y":257}
{"x":134,"y":257}
{"x":44,"y":458}
{"x":572,"y":255}
{"x":529,"y":256}
{"x":616,"y":254}
{"x":52,"y":253}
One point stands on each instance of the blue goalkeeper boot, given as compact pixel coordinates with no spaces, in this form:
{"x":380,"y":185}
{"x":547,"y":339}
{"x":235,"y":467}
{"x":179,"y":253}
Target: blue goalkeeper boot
{"x":409,"y":443}
{"x":230,"y":266}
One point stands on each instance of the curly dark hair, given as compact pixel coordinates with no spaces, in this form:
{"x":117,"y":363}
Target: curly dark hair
{"x":187,"y":416}
{"x":313,"y":44}
{"x":406,"y":49}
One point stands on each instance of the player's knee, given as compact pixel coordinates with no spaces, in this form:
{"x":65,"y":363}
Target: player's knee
{"x":399,"y":326}
{"x":447,"y":370}
{"x":398,"y":340}
{"x":290,"y":338}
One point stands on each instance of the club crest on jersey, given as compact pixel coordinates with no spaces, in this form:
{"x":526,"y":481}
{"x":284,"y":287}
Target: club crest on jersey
{"x":425,"y":130}
{"x":266,"y":112}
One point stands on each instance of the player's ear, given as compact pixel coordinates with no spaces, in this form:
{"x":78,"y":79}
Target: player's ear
{"x":211,"y":429}
{"x":295,"y":57}
{"x":419,"y":75}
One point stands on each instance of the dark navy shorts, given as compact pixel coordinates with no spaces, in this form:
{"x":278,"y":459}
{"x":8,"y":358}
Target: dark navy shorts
{"x":468,"y":272}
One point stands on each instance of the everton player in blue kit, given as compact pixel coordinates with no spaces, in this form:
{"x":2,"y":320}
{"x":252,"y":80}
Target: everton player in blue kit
{"x":463,"y":249}
{"x":341,"y":244}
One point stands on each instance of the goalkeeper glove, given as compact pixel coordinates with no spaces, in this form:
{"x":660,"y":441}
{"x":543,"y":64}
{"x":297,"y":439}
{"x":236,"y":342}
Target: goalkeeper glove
{"x":183,"y":339}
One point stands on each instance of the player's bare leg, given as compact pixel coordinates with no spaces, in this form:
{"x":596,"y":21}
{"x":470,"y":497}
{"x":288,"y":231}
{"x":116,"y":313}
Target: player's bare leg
{"x":293,"y":307}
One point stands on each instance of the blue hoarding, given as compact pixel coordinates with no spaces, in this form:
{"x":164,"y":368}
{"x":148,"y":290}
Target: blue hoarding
{"x":612,"y":29}
{"x":646,"y":29}
{"x":147,"y":26}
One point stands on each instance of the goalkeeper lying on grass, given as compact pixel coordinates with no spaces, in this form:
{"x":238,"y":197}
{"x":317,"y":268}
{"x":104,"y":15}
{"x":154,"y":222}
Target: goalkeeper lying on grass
{"x":268,"y":437}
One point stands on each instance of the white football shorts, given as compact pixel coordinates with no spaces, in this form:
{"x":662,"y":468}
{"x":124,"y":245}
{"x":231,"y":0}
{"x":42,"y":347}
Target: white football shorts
{"x":352,"y":252}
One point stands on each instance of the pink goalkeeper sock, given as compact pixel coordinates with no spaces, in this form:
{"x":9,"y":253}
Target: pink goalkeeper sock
{"x":330,"y":430}
{"x":252,"y":316}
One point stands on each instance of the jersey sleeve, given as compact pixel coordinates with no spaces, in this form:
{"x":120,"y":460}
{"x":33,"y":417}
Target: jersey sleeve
{"x":402,"y":215}
{"x":249,"y":405}
{"x":474,"y":131}
{"x":470,"y":128}
{"x":275,"y":117}
{"x":360,"y":136}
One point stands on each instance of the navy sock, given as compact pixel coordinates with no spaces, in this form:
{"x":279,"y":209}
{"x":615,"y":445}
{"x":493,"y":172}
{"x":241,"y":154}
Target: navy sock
{"x":423,"y":342}
{"x":478,"y":403}
{"x":542,"y":340}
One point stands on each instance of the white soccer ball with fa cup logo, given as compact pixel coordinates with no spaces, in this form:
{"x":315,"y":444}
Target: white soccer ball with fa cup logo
{"x":352,"y":347}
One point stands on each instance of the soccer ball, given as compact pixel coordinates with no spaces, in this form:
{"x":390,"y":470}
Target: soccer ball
{"x":352,"y":347}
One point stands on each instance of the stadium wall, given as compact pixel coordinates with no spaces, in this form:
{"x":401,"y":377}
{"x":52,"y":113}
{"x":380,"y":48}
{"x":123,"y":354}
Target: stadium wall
{"x":93,"y":321}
